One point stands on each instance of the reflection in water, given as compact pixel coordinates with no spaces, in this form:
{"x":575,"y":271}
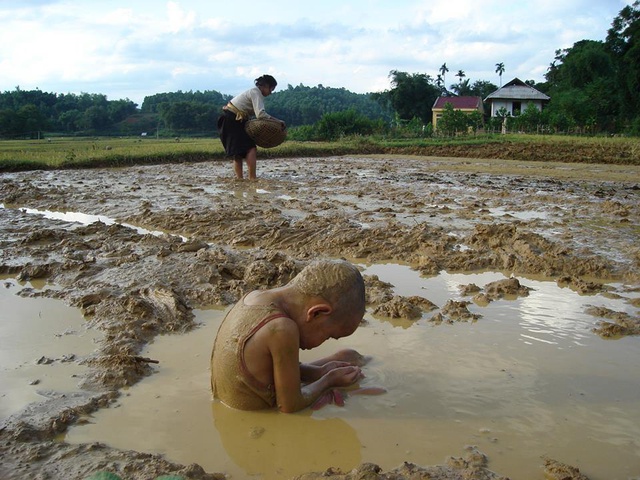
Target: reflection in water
{"x":275,"y":446}
{"x":549,"y":318}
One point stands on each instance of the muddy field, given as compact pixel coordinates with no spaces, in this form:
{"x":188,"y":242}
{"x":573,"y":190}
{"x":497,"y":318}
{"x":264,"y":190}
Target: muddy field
{"x":172,"y":238}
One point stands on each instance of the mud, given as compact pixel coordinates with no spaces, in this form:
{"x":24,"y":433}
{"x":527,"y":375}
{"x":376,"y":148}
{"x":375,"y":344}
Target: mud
{"x":173,"y":238}
{"x":471,"y":466}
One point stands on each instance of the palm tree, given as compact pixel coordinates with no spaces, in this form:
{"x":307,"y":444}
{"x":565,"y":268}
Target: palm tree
{"x":500,"y":70}
{"x":460,"y":75}
{"x":443,"y":70}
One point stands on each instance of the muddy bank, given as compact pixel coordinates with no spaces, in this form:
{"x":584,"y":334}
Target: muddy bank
{"x":209,"y":239}
{"x":473,"y":465}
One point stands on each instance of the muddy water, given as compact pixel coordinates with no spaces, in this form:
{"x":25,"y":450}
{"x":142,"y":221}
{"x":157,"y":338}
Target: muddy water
{"x":527,"y":379}
{"x":136,"y":249}
{"x":42,"y":342}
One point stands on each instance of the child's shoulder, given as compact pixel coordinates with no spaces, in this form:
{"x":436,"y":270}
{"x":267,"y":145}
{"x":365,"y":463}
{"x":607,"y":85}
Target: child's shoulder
{"x":259,"y":297}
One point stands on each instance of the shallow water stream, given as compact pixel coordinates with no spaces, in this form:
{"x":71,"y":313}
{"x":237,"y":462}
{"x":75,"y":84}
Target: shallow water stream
{"x":528,"y":379}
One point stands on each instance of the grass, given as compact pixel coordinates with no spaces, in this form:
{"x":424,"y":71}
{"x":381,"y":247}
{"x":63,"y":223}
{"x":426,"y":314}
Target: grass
{"x":62,"y":153}
{"x":100,"y":152}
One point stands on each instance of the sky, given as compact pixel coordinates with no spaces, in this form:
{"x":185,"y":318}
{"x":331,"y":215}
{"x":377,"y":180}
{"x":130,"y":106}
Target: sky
{"x":131,"y":49}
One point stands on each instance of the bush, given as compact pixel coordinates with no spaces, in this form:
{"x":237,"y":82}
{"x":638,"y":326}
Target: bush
{"x":333,"y":126}
{"x":303,"y":133}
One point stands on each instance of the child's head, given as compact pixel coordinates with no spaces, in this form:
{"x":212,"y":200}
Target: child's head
{"x":341,"y":286}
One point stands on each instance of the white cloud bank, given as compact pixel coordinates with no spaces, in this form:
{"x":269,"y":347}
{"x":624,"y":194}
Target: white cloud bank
{"x":133,"y":49}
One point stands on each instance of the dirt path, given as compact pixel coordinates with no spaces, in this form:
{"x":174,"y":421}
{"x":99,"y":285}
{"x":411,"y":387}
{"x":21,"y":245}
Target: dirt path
{"x":575,"y":223}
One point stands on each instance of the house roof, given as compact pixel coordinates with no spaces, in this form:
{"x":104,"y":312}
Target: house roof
{"x":516,"y":89}
{"x":459,"y":103}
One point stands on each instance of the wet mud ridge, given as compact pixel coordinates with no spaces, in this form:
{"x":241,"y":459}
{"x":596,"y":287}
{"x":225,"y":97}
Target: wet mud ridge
{"x":172,"y":238}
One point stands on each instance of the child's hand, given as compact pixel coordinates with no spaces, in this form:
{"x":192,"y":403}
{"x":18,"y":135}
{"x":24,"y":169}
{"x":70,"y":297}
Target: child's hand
{"x":327,"y":367}
{"x":352,"y":357}
{"x":345,"y":376}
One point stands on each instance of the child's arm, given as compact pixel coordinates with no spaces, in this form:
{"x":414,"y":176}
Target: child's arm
{"x":310,"y":372}
{"x":314,"y":370}
{"x":284,"y":346}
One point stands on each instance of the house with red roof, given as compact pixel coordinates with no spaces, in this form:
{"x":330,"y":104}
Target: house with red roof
{"x":464,"y":104}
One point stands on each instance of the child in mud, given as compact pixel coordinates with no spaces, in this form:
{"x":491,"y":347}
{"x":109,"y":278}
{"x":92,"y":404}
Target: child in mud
{"x":255,"y":359}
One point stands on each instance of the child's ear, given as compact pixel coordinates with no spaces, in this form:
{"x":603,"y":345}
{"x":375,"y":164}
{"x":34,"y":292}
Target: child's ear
{"x":318,"y":310}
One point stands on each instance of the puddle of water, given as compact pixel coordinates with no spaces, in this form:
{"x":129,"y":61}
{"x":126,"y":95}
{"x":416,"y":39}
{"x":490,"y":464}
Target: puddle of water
{"x":527,"y":379}
{"x":33,"y":329}
{"x":87,"y":219}
{"x":262,"y":191}
{"x":521,"y":215}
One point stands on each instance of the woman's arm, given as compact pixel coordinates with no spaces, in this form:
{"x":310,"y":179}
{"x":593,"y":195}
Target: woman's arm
{"x":259,"y":111}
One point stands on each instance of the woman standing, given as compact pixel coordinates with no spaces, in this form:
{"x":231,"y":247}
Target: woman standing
{"x":237,"y":143}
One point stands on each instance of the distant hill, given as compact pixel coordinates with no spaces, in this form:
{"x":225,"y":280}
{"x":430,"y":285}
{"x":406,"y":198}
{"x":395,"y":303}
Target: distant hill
{"x":304,"y":105}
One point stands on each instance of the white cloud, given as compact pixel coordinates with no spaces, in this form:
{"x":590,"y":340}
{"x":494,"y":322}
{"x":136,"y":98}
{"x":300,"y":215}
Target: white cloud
{"x":178,"y":18}
{"x":133,"y":49}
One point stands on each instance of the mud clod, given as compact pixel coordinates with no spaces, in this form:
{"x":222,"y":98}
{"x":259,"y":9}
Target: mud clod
{"x":410,"y":308}
{"x":554,"y":470}
{"x":473,"y":466}
{"x":621,"y":323}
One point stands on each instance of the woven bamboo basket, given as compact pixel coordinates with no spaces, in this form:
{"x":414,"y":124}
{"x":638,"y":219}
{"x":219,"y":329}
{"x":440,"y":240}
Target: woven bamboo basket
{"x":266,"y":133}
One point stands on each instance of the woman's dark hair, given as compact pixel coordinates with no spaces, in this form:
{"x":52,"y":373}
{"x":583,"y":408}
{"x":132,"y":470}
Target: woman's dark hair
{"x":266,"y":80}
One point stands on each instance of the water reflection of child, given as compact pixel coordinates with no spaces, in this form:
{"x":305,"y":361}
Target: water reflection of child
{"x":269,"y":445}
{"x":255,"y":359}
{"x":236,"y":141}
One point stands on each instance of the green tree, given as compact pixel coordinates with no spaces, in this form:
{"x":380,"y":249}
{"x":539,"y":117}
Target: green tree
{"x":443,"y":71}
{"x":482,"y":88}
{"x":623,"y":41}
{"x":411,"y":95}
{"x":528,"y":121}
{"x":31,"y":120}
{"x":70,"y":120}
{"x":185,"y":116}
{"x":118,"y":110}
{"x":151,"y":104}
{"x":500,"y":71}
{"x":303,"y":105}
{"x":95,"y":117}
{"x":453,"y":121}
{"x":9,"y":123}
{"x":463,"y":88}
{"x":580,"y":86}
{"x":460,"y":75}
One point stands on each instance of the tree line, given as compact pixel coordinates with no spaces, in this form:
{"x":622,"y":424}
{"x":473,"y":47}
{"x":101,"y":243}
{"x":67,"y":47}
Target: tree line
{"x":593,"y":85}
{"x":27,"y":112}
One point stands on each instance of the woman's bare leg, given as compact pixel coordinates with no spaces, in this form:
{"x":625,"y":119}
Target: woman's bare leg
{"x":237,"y":167}
{"x":252,"y":160}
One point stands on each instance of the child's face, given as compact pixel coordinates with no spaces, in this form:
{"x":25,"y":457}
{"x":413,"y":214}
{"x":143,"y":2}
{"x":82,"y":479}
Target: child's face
{"x":328,"y":326}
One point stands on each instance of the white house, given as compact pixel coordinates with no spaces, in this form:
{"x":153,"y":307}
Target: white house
{"x":515,"y":97}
